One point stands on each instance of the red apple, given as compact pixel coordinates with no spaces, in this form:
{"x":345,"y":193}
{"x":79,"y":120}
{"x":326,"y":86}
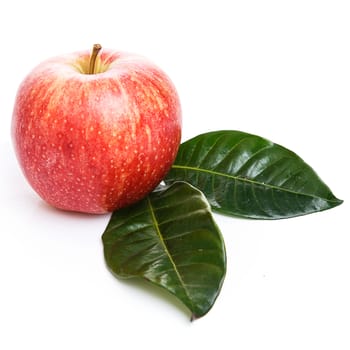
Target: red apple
{"x":96,"y":132}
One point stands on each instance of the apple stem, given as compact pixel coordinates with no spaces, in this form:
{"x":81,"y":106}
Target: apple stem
{"x":95,"y":50}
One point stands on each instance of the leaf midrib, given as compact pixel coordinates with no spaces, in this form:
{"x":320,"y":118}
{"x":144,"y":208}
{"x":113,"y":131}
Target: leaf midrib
{"x":156,"y":227}
{"x":238,"y":178}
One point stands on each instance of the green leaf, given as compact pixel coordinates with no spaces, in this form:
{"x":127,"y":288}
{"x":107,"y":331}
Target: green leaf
{"x":248,"y":176}
{"x":170,"y":239}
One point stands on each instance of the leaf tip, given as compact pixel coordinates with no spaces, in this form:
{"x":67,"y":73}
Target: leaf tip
{"x":339,"y":201}
{"x":194,"y":317}
{"x":336,"y":202}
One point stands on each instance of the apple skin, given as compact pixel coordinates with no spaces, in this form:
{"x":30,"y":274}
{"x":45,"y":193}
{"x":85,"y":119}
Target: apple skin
{"x":94,"y":143}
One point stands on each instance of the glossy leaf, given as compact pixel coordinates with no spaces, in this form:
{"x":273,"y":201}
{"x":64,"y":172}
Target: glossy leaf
{"x":248,"y":176}
{"x":170,"y":239}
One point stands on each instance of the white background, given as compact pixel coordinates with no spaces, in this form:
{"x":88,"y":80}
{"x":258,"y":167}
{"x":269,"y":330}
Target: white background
{"x":279,"y":69}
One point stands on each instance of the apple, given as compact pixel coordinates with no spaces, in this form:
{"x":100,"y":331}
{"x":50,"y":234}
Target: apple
{"x":96,"y":131}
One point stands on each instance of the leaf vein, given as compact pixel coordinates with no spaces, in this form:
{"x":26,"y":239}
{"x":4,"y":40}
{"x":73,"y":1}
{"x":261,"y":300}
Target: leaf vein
{"x":156,"y":227}
{"x":243,"y":179}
